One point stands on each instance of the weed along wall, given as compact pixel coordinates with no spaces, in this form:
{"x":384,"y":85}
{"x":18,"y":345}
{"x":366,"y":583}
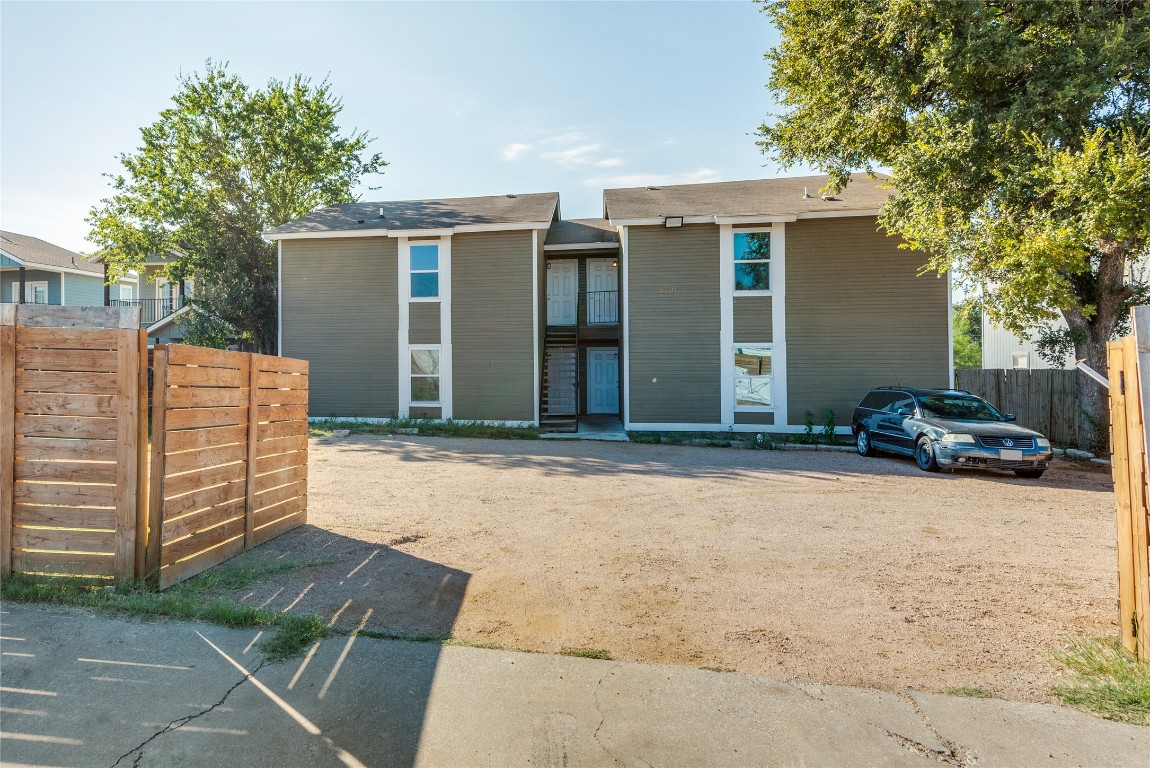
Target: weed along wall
{"x":78,"y":494}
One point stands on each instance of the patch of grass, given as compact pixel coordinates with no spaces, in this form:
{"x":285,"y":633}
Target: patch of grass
{"x":1106,"y":679}
{"x":969,"y":691}
{"x":588,"y":653}
{"x":136,"y":599}
{"x":449,"y":428}
{"x":243,"y":571}
{"x":294,"y":635}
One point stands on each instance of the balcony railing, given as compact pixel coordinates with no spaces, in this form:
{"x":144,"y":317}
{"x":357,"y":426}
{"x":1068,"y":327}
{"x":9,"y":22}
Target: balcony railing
{"x":602,"y":307}
{"x":152,"y":310}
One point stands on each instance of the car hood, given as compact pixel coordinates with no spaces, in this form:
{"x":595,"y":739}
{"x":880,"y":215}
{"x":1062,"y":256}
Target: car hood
{"x":985,"y":428}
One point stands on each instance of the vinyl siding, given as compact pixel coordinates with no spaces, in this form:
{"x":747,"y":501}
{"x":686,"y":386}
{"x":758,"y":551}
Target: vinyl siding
{"x":340,"y":312}
{"x":858,"y":316}
{"x":753,"y":319}
{"x":83,"y":291}
{"x":423,"y":322}
{"x":673,"y":324}
{"x":492,"y":338}
{"x":8,"y":279}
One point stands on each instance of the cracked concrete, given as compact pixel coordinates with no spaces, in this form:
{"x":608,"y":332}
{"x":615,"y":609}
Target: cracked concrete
{"x":95,"y":691}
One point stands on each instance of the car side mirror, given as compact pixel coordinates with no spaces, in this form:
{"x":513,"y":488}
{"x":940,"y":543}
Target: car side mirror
{"x":1010,"y":416}
{"x":905,"y":412}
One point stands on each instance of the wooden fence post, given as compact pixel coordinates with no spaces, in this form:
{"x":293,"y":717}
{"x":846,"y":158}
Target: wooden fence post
{"x":7,"y":432}
{"x":127,"y":467}
{"x":156,"y":469}
{"x":253,"y":444}
{"x":1120,"y":466}
{"x":1140,"y":519}
{"x":142,"y":461}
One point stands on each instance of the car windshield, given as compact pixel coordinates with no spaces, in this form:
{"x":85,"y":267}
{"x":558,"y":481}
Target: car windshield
{"x":959,"y":408}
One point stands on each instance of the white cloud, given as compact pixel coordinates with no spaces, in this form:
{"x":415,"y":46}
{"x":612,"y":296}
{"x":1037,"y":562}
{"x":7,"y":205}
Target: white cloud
{"x":512,"y":151}
{"x":698,"y":176}
{"x":610,"y":162}
{"x":580,"y":155}
{"x":565,"y":138}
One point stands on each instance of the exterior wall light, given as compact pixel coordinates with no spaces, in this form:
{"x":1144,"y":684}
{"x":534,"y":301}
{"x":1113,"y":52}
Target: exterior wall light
{"x":670,"y":222}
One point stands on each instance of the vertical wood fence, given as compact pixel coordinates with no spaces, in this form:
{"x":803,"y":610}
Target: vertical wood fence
{"x":228,"y":463}
{"x":1129,"y":373}
{"x":1045,"y":400}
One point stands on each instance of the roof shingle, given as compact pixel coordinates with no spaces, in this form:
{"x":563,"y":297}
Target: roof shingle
{"x":33,"y":250}
{"x":582,"y":232}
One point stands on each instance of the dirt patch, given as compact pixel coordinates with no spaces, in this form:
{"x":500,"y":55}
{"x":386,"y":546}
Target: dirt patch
{"x":809,"y":567}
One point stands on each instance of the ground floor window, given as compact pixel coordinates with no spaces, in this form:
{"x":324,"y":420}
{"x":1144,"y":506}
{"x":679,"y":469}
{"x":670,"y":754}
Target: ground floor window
{"x":35,"y":292}
{"x":753,"y":376}
{"x":425,"y":375}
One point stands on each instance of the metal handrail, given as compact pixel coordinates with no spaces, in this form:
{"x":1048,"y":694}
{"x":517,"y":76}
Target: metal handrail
{"x":152,"y":310}
{"x":602,"y":307}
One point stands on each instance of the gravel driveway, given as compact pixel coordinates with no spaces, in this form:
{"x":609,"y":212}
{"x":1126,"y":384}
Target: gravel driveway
{"x":808,"y":567}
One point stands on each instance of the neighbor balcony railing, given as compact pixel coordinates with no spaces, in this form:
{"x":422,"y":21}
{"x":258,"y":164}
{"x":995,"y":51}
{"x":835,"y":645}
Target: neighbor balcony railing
{"x":152,"y":310}
{"x":602,"y":307}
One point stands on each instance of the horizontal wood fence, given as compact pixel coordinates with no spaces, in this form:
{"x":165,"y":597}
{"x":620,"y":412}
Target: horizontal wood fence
{"x":1045,"y":400}
{"x":229,"y":455}
{"x":228,"y":465}
{"x":1129,"y":373}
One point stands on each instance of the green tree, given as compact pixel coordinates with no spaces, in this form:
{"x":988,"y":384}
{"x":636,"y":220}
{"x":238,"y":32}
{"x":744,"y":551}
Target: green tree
{"x":220,"y":166}
{"x":967,"y":329}
{"x":1016,"y":134}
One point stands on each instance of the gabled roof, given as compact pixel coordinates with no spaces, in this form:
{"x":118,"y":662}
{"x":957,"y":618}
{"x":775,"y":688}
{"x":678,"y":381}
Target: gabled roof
{"x":765,"y":197}
{"x":582,"y":232}
{"x":496,"y":211}
{"x":32,"y":251}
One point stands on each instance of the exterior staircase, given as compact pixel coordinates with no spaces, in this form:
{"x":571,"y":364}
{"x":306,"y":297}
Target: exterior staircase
{"x":559,"y":395}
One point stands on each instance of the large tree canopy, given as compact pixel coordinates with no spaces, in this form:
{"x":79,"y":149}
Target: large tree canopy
{"x":1017,"y":135}
{"x":218,"y":168}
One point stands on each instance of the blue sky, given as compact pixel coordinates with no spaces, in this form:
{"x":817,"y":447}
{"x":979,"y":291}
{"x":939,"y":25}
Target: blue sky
{"x":463,"y":98}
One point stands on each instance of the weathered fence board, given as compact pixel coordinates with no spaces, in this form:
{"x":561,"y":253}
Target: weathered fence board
{"x":1044,"y":400}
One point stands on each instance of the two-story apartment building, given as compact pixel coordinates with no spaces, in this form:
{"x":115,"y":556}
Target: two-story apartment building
{"x":729,"y":306}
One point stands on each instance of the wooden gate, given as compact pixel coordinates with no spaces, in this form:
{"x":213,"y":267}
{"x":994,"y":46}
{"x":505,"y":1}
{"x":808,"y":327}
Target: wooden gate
{"x":1129,"y":373}
{"x":229,"y":456}
{"x":72,"y":437}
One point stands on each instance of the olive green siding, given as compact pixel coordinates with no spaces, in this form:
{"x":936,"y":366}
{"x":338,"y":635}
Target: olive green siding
{"x":858,"y":316}
{"x":492,"y":337}
{"x":754,"y":417}
{"x":673,"y":324}
{"x":753,"y":319}
{"x":340,"y":312}
{"x":423,"y":322}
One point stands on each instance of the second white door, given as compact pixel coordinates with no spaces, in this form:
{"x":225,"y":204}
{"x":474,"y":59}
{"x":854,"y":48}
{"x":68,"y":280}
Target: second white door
{"x":562,"y":292}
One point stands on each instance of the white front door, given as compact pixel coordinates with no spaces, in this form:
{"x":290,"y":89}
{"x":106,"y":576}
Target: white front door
{"x":602,"y":380}
{"x":562,"y":292}
{"x":602,"y":291}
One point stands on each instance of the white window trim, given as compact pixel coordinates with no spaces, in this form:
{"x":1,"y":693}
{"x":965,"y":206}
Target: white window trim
{"x":755,"y":408}
{"x":30,"y":287}
{"x":778,"y":344}
{"x":424,"y":348}
{"x":437,"y":271}
{"x":768,"y":260}
{"x":446,"y":397}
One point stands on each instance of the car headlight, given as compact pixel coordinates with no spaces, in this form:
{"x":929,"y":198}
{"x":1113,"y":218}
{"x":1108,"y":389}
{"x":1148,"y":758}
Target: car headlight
{"x":1043,"y":443}
{"x":953,"y":437}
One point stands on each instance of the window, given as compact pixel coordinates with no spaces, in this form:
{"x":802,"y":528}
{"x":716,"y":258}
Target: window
{"x":125,"y":292}
{"x":424,"y":271}
{"x":425,"y":375}
{"x":901,"y":402}
{"x":34,"y":292}
{"x":752,"y":261}
{"x":878,"y":400}
{"x":1020,"y":360}
{"x":752,"y":376}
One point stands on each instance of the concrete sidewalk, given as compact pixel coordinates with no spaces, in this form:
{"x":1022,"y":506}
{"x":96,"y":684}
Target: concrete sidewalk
{"x":79,"y":690}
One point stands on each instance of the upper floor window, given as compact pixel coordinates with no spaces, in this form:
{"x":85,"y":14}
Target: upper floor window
{"x":752,"y":261}
{"x":424,"y":271}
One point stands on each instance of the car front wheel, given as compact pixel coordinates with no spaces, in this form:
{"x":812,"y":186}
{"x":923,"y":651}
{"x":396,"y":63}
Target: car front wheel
{"x":863,"y":444}
{"x":924,"y":455}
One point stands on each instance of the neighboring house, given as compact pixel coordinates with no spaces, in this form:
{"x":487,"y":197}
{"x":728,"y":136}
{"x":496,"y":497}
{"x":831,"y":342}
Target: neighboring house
{"x":50,"y":274}
{"x":729,"y":306}
{"x":1003,"y":349}
{"x":162,"y":303}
